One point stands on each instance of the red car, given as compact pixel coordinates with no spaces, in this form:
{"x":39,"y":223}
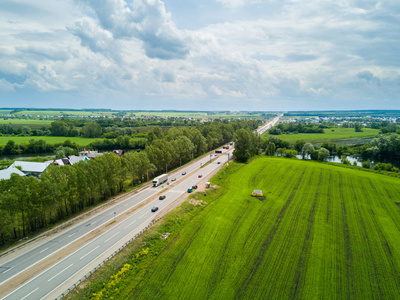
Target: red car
{"x":200,"y":176}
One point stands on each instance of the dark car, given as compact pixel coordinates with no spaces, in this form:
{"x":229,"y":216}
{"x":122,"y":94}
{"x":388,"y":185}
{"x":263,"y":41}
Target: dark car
{"x":194,"y":187}
{"x":162,"y":197}
{"x":173,"y":179}
{"x":155,"y":208}
{"x":184,"y":173}
{"x":190,"y":190}
{"x":200,"y":176}
{"x":218,"y":162}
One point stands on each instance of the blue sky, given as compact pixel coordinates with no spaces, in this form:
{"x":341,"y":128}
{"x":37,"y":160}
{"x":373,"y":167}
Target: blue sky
{"x":200,"y":55}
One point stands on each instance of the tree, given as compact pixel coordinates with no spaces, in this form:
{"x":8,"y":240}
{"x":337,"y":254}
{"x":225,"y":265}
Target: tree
{"x":183,"y":148}
{"x":323,"y":154}
{"x":299,"y":144}
{"x":344,"y":160}
{"x":91,"y":130}
{"x":59,"y":128}
{"x":270,"y":149}
{"x":307,"y":150}
{"x":247,"y":144}
{"x":358,"y":127}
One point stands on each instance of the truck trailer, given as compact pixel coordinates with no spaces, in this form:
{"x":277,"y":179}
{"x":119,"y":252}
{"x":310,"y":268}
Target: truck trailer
{"x":160,"y":179}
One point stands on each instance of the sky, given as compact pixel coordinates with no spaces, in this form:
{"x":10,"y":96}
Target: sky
{"x":262,"y":55}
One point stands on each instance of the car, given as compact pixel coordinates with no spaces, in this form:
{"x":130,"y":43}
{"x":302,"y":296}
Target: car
{"x":218,"y":162}
{"x":154,"y":209}
{"x":190,"y":190}
{"x":194,"y":187}
{"x":162,"y":197}
{"x":173,"y":179}
{"x":200,"y":176}
{"x":184,"y":173}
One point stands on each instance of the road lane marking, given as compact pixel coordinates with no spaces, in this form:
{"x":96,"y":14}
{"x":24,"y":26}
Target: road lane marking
{"x":43,"y":250}
{"x":130,"y":224}
{"x":111,"y":237}
{"x":60,"y":272}
{"x":6,"y":270}
{"x":127,"y":204}
{"x":89,"y":252}
{"x":71,"y":234}
{"x":30,"y":293}
{"x":141,"y":216}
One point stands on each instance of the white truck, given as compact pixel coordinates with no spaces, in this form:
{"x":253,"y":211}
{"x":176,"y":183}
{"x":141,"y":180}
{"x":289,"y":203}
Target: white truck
{"x":160,"y":179}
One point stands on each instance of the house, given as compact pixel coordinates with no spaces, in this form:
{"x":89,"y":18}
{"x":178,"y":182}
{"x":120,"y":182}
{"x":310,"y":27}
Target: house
{"x":73,"y":159}
{"x":61,"y":162}
{"x":32,"y":168}
{"x":6,"y":173}
{"x":90,"y":154}
{"x":119,"y":152}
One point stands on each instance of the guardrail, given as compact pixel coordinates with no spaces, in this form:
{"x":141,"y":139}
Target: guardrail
{"x":106,"y":259}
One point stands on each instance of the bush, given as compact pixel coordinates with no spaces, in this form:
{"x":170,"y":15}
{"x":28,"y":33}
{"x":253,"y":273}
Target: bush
{"x":366,"y":164}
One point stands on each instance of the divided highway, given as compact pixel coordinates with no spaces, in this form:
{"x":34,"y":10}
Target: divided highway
{"x":54,"y":280}
{"x":43,"y":285}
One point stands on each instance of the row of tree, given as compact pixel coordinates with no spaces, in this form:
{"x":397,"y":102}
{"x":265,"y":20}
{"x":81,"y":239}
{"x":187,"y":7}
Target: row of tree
{"x":40,"y":146}
{"x":28,"y":204}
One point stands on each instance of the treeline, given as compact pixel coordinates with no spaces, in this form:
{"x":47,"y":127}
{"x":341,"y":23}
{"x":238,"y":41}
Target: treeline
{"x":385,"y":149}
{"x":40,"y":146}
{"x":28,"y":204}
{"x":296,"y":128}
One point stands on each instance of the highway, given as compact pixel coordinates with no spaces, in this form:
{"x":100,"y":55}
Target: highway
{"x":262,"y":129}
{"x":44,"y":284}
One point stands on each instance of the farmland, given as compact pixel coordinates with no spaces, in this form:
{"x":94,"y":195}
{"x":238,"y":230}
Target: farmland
{"x":26,"y":122}
{"x":339,"y":134}
{"x":322,"y":232}
{"x":49,"y":139}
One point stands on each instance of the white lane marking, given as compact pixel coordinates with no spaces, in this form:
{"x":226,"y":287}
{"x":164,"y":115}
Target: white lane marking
{"x":43,"y":250}
{"x":127,"y":204}
{"x":93,"y":223}
{"x":129,"y":224}
{"x":141,"y":216}
{"x":111,"y":237}
{"x":7,"y":270}
{"x":60,"y":272}
{"x":30,"y":293}
{"x":71,"y":234}
{"x":89,"y":252}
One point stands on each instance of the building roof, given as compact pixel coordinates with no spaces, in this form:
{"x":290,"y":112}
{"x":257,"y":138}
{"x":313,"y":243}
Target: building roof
{"x":6,"y":173}
{"x":73,"y":159}
{"x":34,"y":167}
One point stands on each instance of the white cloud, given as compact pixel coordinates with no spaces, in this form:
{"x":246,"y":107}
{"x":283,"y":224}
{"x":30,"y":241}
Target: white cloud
{"x":260,"y":54}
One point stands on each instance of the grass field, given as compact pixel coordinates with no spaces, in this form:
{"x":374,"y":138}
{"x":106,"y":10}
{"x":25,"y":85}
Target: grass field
{"x":48,"y":139}
{"x":43,"y":113}
{"x":339,"y":134}
{"x":26,"y":122}
{"x":323,"y":232}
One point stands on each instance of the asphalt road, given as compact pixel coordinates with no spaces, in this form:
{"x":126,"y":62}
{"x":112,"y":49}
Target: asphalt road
{"x":261,"y":130}
{"x":44,"y":283}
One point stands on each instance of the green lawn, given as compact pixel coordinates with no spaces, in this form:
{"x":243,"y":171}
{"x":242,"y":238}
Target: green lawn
{"x":48,"y":139}
{"x":323,"y":232}
{"x":339,"y":134}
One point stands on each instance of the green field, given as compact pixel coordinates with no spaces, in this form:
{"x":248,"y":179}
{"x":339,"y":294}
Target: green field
{"x":339,"y":134}
{"x":323,"y":232}
{"x":42,"y":113}
{"x":48,"y":139}
{"x":26,"y":122}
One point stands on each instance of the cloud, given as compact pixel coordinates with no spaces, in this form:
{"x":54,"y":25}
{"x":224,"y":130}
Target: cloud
{"x":368,"y":77}
{"x":147,"y":21}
